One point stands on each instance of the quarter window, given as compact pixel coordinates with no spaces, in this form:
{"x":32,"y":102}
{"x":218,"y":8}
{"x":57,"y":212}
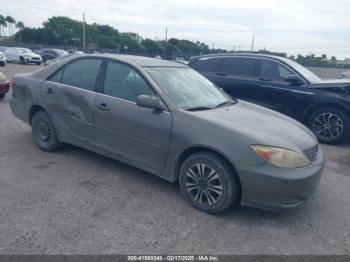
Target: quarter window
{"x":82,"y":73}
{"x":123,"y":82}
{"x":239,"y":66}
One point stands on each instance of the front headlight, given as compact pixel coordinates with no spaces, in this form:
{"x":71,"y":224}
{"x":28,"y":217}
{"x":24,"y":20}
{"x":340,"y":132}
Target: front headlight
{"x":281,"y":157}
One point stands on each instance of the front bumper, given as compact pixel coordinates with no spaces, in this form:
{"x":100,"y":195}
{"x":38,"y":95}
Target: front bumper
{"x":32,"y":59}
{"x":273,"y":188}
{"x":4,"y":87}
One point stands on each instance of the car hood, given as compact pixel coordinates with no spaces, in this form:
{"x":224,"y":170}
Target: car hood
{"x":340,"y":86}
{"x":262,"y":126}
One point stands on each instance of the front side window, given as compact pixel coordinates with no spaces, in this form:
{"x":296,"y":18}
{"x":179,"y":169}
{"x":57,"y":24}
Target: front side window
{"x":122,"y":81}
{"x":272,"y":70}
{"x":239,"y":66}
{"x":82,"y":73}
{"x":188,"y":89}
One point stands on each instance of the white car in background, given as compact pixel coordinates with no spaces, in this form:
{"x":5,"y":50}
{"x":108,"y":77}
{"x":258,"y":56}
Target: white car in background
{"x":22,"y":55}
{"x":2,"y":59}
{"x":345,"y":75}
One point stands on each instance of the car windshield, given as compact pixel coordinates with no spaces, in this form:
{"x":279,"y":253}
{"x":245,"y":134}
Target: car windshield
{"x":61,"y":52}
{"x":311,"y":77}
{"x":25,"y":50}
{"x":188,"y":89}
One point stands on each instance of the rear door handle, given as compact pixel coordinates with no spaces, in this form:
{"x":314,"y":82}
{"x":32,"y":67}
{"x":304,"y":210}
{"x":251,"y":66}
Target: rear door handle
{"x":48,"y":90}
{"x":103,"y":106}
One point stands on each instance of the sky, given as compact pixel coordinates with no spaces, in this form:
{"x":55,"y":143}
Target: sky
{"x":291,"y":26}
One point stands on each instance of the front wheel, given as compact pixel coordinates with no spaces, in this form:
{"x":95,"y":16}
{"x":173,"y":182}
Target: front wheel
{"x":2,"y":96}
{"x":209,"y":183}
{"x":330,"y":125}
{"x":44,"y":133}
{"x":22,"y":61}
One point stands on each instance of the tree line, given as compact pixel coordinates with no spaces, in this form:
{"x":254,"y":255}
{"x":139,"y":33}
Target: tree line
{"x":66,"y":32}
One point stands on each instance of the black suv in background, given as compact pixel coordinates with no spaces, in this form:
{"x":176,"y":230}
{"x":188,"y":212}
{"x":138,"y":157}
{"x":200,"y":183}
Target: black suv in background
{"x":48,"y":53}
{"x":285,"y":86}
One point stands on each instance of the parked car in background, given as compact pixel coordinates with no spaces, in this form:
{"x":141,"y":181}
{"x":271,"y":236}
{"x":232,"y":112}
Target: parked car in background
{"x":4,"y":85}
{"x":283,"y":85}
{"x":49,"y":54}
{"x":169,"y":120}
{"x":2,"y":59}
{"x":345,"y":74}
{"x":22,"y":55}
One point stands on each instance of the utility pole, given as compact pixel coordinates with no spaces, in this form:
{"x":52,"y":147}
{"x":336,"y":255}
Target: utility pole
{"x":83,"y":31}
{"x":166,"y":34}
{"x":252,"y":48}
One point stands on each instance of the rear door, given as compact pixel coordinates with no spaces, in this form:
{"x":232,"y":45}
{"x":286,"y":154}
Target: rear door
{"x":238,"y":77}
{"x":124,"y":130}
{"x":69,"y":95}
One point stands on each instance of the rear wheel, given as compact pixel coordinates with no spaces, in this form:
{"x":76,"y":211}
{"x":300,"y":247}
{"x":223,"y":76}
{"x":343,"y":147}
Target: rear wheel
{"x":2,"y":96}
{"x":330,"y":125}
{"x":209,"y":183}
{"x":44,"y":133}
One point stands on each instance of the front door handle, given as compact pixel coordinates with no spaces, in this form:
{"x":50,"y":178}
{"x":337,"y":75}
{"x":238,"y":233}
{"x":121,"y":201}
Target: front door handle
{"x":266,"y":79}
{"x":48,"y":90}
{"x":103,"y":106}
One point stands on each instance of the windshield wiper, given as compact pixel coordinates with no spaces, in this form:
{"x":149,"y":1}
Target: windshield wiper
{"x":224,"y":103}
{"x":199,"y":108}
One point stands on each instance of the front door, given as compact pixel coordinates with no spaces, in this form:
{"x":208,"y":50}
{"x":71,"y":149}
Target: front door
{"x":137,"y":135}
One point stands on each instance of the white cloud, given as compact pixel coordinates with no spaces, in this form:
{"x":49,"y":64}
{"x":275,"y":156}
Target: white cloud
{"x":297,"y":26}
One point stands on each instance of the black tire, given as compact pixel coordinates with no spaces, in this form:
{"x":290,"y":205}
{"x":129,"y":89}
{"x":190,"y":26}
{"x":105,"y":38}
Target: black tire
{"x":2,"y":96}
{"x":2,"y":63}
{"x":334,"y":132}
{"x":44,"y":59}
{"x":38,"y":63}
{"x":227,"y":177}
{"x":22,"y":61}
{"x":44,"y":133}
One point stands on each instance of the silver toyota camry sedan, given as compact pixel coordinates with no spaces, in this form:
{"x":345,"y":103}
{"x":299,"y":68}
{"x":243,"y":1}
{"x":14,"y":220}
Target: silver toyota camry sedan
{"x":170,"y":121}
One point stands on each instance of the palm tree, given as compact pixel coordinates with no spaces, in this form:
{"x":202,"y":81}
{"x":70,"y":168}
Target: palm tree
{"x":10,"y":20}
{"x":2,"y":26}
{"x":20,"y":26}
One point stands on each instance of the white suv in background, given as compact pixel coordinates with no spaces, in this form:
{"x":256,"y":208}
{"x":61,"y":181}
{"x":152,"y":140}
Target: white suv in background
{"x":2,"y":59}
{"x":22,"y":55}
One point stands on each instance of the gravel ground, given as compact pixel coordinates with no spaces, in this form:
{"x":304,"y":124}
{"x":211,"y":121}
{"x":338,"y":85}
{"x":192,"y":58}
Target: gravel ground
{"x":77,"y":202}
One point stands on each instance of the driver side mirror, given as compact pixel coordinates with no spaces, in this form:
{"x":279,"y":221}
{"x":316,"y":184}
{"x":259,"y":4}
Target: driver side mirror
{"x":149,"y":102}
{"x":294,"y":80}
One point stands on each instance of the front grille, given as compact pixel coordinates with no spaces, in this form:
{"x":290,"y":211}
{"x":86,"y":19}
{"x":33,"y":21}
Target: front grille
{"x":35,"y":58}
{"x":311,"y":153}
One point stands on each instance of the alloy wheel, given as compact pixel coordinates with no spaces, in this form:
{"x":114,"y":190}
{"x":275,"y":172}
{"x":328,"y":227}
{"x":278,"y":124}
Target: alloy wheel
{"x":328,"y":125}
{"x":204,"y":184}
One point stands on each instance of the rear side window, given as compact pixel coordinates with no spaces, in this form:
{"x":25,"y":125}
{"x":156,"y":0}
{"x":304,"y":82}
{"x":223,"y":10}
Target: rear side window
{"x":207,"y":64}
{"x":82,"y":73}
{"x":239,"y":66}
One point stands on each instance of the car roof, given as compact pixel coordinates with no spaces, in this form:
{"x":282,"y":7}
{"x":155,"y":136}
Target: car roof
{"x":253,"y":55}
{"x":141,"y":61}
